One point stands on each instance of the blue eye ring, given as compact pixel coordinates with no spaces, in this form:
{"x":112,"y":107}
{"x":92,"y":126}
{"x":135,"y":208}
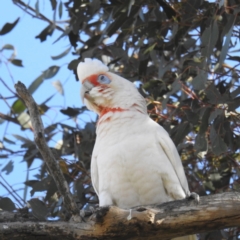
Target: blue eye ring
{"x":103,"y":79}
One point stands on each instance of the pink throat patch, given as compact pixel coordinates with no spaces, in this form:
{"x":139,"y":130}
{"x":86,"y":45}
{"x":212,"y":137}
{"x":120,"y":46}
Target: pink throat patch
{"x":107,"y":110}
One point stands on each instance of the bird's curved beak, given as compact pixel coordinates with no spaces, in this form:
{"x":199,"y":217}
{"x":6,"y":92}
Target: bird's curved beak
{"x":85,"y":89}
{"x":82,"y":93}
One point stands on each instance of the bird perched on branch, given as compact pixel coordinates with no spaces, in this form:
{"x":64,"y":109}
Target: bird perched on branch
{"x":134,"y":161}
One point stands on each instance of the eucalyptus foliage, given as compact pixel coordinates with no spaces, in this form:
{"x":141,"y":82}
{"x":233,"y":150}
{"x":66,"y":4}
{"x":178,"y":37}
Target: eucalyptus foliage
{"x":184,"y":58}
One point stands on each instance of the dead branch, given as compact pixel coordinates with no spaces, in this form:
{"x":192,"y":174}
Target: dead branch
{"x":47,"y":155}
{"x":164,"y":221}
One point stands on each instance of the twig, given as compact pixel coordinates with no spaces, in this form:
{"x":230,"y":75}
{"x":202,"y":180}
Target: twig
{"x":20,"y":3}
{"x":4,"y":83}
{"x":46,"y":153}
{"x":8,"y":118}
{"x":1,"y":97}
{"x":12,"y":192}
{"x":9,"y":191}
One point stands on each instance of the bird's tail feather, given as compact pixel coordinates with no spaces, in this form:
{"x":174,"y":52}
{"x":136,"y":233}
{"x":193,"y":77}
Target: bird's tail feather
{"x":190,"y":237}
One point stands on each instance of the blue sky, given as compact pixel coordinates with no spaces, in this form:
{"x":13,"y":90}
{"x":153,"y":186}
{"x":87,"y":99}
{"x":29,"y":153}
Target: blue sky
{"x":36,"y":57}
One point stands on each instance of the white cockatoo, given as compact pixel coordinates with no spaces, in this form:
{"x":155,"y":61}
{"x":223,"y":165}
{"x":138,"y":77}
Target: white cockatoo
{"x":134,"y":161}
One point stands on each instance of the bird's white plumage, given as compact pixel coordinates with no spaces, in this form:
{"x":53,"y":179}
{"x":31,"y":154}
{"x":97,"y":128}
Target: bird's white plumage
{"x":134,"y":168}
{"x":134,"y":161}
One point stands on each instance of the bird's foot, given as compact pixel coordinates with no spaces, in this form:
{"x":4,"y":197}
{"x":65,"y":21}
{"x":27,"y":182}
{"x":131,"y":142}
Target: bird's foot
{"x":194,"y":196}
{"x":130,"y":215}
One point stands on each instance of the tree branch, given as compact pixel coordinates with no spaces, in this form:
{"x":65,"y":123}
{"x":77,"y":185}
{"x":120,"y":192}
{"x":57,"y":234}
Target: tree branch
{"x":8,"y":118}
{"x":24,"y":6}
{"x":168,"y":220}
{"x":47,"y":155}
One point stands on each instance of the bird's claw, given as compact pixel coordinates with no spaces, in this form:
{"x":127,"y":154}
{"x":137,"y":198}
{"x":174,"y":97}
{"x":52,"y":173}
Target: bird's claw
{"x":130,"y":215}
{"x":194,"y":196}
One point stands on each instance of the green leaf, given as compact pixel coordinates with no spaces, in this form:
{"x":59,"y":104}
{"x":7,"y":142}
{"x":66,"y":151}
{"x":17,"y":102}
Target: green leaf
{"x":79,"y":191}
{"x":192,"y":116}
{"x":6,"y":204}
{"x":8,"y":167}
{"x":54,"y":4}
{"x":18,"y":106}
{"x":208,"y":185}
{"x":48,"y":99}
{"x":199,"y":81}
{"x":35,"y":84}
{"x":209,"y":39}
{"x":39,"y":186}
{"x":235,"y":103}
{"x":226,"y":46}
{"x":71,"y":112}
{"x":116,"y":24}
{"x":17,"y":62}
{"x":121,"y":17}
{"x":50,"y":72}
{"x":7,"y":47}
{"x":43,"y":108}
{"x":214,"y":114}
{"x":201,"y":143}
{"x":235,"y":93}
{"x":230,"y":21}
{"x":205,"y":120}
{"x":179,"y":132}
{"x":95,"y":5}
{"x":8,"y":140}
{"x":31,"y":183}
{"x":60,"y":8}
{"x":37,"y":7}
{"x":73,"y":64}
{"x":39,"y":210}
{"x":8,"y":27}
{"x":30,"y":154}
{"x":214,"y":95}
{"x":23,"y":139}
{"x":63,"y":54}
{"x":149,"y":49}
{"x":131,"y":3}
{"x":45,"y":32}
{"x":218,"y":145}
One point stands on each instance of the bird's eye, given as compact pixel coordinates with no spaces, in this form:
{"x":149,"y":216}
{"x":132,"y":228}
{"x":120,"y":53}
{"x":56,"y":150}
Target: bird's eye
{"x":103,"y":79}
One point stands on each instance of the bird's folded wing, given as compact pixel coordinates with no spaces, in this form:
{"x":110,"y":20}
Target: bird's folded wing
{"x":170,"y":150}
{"x":94,"y":173}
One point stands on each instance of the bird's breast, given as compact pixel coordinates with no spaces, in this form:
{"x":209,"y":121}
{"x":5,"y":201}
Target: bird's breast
{"x":127,"y":167}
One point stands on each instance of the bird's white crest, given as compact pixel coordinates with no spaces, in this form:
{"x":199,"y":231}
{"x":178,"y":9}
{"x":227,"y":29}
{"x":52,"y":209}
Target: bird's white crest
{"x":92,"y":66}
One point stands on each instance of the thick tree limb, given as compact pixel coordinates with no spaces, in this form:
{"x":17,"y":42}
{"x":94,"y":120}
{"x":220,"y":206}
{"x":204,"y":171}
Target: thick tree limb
{"x":47,"y":155}
{"x":163,"y":221}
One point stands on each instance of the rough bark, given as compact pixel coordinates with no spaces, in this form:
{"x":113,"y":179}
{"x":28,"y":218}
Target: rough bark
{"x":46,"y":153}
{"x":163,"y":221}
